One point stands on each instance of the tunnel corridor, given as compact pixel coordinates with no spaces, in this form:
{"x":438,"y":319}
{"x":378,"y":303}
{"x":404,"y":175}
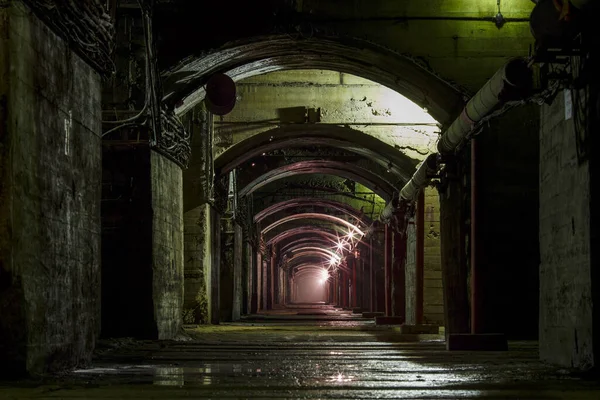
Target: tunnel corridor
{"x":299,"y":199}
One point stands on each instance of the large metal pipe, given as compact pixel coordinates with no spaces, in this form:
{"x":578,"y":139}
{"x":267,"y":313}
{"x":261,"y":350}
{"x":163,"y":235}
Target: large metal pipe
{"x":388,"y":211}
{"x":508,"y":83}
{"x":421,"y":178}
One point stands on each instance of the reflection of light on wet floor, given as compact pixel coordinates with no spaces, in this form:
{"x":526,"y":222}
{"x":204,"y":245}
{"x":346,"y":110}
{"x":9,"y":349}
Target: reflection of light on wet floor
{"x":96,"y":371}
{"x":340,"y":378}
{"x":181,"y":376}
{"x":168,"y":376}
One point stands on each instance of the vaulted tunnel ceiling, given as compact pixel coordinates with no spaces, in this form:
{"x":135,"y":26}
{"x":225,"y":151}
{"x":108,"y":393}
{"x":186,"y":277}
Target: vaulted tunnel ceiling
{"x":183,"y":84}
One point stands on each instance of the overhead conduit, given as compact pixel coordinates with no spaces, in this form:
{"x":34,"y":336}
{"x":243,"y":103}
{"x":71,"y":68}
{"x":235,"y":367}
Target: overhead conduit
{"x":511,"y":82}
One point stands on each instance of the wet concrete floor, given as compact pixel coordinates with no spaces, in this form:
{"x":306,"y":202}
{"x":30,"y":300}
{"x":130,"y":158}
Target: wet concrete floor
{"x":285,"y":355}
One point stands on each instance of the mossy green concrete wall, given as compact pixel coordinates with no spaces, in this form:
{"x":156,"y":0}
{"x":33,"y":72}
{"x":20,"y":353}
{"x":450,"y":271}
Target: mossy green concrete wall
{"x":455,"y":38}
{"x":264,"y":102}
{"x":167,"y":244}
{"x":433,"y":296}
{"x":50,"y":183}
{"x":197,"y":265}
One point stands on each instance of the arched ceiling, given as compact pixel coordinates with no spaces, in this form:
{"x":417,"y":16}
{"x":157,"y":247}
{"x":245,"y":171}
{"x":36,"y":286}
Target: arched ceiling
{"x":316,"y":216}
{"x":292,"y":234}
{"x":184,"y":88}
{"x":307,"y":241}
{"x":183,"y":84}
{"x":299,"y":202}
{"x":340,"y":137}
{"x":349,"y":171}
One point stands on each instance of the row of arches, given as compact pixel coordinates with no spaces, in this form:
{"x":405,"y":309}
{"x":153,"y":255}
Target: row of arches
{"x":302,"y":237}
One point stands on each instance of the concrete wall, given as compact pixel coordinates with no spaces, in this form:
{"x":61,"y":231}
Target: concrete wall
{"x":50,"y":171}
{"x":433,"y":296}
{"x":197,"y":265}
{"x":343,"y":99}
{"x":565,"y":320}
{"x":167,"y":244}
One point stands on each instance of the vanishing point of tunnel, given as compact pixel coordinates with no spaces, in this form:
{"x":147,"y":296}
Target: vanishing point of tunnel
{"x":299,"y":199}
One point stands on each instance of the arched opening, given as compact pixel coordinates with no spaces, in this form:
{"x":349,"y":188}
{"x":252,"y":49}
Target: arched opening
{"x":304,"y":188}
{"x":183,"y":84}
{"x":294,"y":208}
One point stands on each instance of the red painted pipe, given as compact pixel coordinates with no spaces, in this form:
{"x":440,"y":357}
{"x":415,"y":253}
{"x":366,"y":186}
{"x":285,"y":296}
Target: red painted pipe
{"x":476,"y":321}
{"x":372,"y":294}
{"x":354,"y":291}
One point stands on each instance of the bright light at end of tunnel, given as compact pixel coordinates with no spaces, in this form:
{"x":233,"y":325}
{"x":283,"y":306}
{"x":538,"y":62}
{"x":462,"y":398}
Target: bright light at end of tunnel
{"x":324,"y":276}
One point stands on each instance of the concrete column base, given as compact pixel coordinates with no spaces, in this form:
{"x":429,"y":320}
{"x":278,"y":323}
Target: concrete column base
{"x":372,"y":314}
{"x":420,"y":329}
{"x":476,"y":342}
{"x":389,"y":320}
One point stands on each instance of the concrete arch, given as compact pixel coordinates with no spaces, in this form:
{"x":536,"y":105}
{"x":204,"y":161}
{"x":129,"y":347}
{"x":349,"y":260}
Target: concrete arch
{"x":318,"y":216}
{"x":341,"y":137}
{"x":349,"y":171}
{"x":302,"y":230}
{"x":335,"y":205}
{"x":183,"y":84}
{"x":307,"y":240}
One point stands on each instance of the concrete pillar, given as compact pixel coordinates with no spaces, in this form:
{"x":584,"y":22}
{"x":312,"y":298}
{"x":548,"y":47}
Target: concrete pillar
{"x":197,"y":265}
{"x":271,"y":280}
{"x":142,"y":243}
{"x":248,"y":281}
{"x":215,"y":277}
{"x":454,"y":269}
{"x":388,"y":255}
{"x":231,"y":270}
{"x":237,"y":272}
{"x":265,"y":283}
{"x":50,"y":188}
{"x":420,"y":258}
{"x":256,"y":278}
{"x":199,"y":230}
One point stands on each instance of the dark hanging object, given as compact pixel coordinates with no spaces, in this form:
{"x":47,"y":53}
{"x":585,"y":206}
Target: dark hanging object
{"x":220,"y":94}
{"x":555,"y":22}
